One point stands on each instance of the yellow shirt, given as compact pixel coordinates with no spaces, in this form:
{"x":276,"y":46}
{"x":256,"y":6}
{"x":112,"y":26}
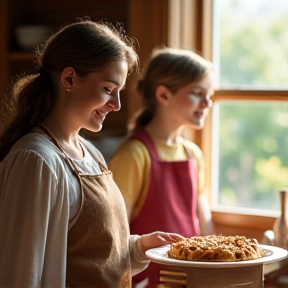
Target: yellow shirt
{"x":131,"y":167}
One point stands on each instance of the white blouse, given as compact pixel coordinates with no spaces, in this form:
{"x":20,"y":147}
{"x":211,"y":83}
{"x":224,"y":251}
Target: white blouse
{"x":39,"y":196}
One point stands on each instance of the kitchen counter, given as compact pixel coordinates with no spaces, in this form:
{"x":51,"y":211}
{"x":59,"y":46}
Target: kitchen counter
{"x":275,"y":266}
{"x":274,"y":273}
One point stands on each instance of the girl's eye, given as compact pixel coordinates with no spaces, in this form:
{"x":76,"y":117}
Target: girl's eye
{"x":198,"y":94}
{"x":107,"y":90}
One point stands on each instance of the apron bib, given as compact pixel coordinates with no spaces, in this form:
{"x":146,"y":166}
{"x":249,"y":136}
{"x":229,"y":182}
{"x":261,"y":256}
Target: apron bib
{"x":171,"y":202}
{"x":98,"y":241}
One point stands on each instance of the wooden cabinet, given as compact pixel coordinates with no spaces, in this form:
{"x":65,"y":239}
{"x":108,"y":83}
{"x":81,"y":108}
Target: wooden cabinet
{"x":14,"y":13}
{"x":143,"y":19}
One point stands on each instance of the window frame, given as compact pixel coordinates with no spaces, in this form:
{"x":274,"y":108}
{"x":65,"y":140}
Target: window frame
{"x":233,"y":216}
{"x":199,"y":38}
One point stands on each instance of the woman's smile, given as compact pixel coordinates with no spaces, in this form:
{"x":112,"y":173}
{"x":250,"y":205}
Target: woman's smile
{"x":101,"y":115}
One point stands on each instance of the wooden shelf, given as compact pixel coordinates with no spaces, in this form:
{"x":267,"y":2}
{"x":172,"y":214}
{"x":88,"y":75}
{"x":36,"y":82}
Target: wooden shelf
{"x":134,"y":15}
{"x":20,"y":56}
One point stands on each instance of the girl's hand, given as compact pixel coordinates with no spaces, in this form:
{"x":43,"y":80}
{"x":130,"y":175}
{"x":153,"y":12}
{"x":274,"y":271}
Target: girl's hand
{"x":157,"y":239}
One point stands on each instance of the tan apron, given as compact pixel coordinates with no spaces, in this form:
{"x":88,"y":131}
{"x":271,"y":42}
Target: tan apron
{"x":98,"y":241}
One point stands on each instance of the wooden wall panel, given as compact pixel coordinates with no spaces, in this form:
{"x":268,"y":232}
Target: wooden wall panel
{"x":3,"y":46}
{"x":148,"y":23}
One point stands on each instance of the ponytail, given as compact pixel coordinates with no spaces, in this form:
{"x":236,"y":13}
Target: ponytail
{"x":140,"y":120}
{"x":29,"y":101}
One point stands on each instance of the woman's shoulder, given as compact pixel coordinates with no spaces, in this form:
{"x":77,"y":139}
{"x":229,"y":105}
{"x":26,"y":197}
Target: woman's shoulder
{"x":33,"y":141}
{"x":38,"y":145}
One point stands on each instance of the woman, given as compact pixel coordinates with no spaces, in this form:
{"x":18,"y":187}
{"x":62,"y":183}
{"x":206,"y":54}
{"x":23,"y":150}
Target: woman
{"x":166,"y":186}
{"x":62,"y":218}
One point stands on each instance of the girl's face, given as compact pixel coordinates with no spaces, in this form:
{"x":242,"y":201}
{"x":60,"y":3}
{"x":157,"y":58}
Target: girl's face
{"x":191,"y":103}
{"x":97,"y":94}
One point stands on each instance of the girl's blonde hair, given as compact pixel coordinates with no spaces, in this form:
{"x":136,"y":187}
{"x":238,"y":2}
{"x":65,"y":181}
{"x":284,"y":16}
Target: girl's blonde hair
{"x":172,"y":68}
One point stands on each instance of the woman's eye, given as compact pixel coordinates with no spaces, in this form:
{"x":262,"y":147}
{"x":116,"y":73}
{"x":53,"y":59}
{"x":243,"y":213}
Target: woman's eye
{"x":107,"y":90}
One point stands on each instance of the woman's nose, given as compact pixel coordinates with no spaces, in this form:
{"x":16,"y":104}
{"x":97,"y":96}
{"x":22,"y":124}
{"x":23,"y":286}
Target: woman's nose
{"x":115,"y":102}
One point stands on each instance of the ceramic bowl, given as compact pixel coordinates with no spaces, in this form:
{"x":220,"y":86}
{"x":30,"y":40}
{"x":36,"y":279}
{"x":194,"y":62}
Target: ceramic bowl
{"x":29,"y":36}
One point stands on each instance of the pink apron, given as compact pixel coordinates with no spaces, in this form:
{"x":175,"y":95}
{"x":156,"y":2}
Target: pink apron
{"x":171,"y":202}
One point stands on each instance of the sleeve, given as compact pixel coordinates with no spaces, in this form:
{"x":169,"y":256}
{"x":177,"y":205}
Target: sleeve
{"x":133,"y":181}
{"x":204,"y":212}
{"x":139,"y":260}
{"x":27,"y":193}
{"x":200,"y":164}
{"x":202,"y":185}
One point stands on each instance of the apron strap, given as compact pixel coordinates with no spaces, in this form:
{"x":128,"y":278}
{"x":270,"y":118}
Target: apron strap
{"x":144,"y":137}
{"x":58,"y":145}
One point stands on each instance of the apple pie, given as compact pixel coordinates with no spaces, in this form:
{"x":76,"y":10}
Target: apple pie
{"x":216,"y":248}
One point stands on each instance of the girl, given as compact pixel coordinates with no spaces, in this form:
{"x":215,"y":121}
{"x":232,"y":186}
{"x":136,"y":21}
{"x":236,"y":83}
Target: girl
{"x":166,"y":185}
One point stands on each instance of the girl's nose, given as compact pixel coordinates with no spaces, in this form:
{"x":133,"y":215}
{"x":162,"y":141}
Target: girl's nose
{"x":207,"y":102}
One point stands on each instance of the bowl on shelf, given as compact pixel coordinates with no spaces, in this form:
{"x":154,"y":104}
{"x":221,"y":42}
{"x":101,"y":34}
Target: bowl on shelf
{"x":29,"y":36}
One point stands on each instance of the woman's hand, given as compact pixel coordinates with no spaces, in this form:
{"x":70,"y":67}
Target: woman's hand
{"x":157,"y":239}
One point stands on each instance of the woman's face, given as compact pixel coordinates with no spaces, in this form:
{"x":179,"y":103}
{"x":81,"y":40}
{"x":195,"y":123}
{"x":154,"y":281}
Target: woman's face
{"x":97,"y":94}
{"x":191,"y":103}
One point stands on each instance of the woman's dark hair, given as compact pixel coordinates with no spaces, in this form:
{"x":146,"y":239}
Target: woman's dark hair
{"x":82,"y":44}
{"x":172,"y":68}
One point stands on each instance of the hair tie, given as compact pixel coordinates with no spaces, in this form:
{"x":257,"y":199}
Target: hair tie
{"x":42,"y":72}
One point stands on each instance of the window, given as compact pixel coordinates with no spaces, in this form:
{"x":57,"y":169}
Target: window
{"x":251,"y":153}
{"x":250,"y":43}
{"x":249,"y":120}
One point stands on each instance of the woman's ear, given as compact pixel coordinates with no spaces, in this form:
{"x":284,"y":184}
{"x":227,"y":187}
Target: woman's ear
{"x":162,"y":94}
{"x":68,"y":78}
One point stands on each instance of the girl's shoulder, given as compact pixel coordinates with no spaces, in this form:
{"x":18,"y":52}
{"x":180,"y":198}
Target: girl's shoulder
{"x":132,"y":152}
{"x":193,"y":148}
{"x":133,"y":146}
